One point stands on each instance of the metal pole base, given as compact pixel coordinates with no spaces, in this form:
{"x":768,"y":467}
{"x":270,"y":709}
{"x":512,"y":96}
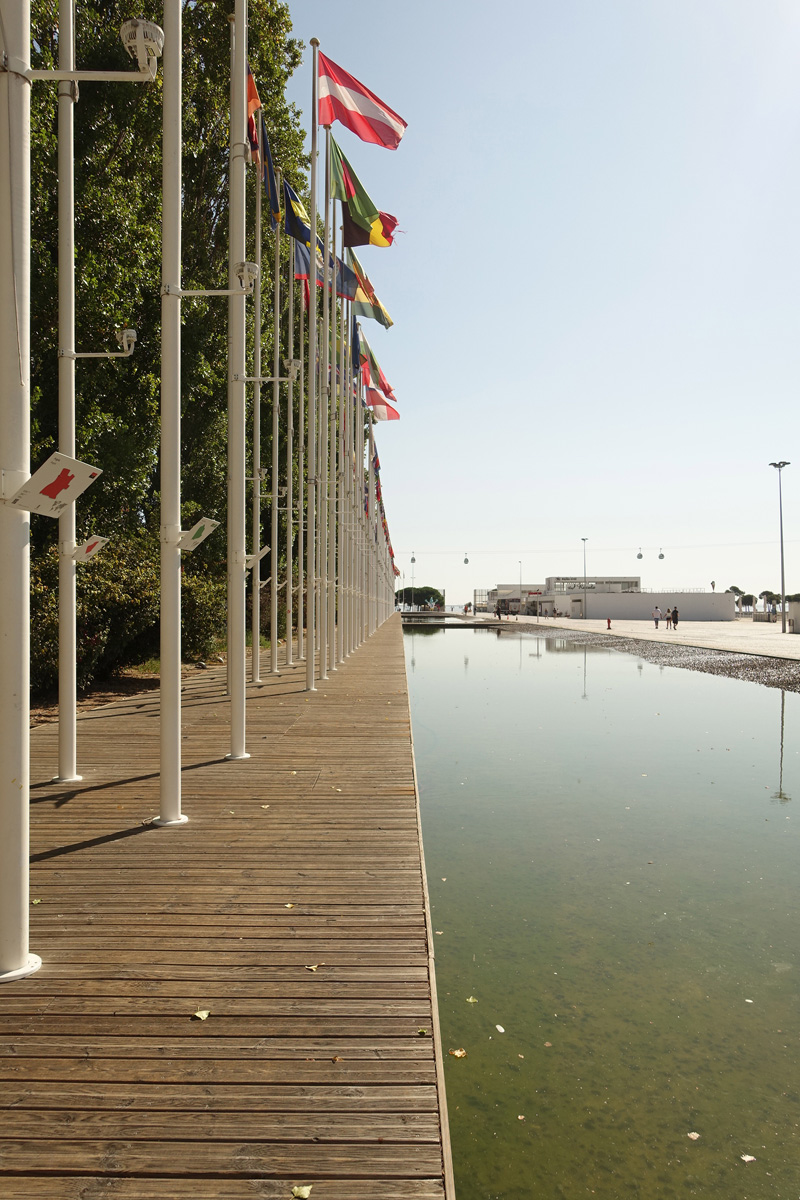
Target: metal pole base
{"x":235,"y":757}
{"x":33,"y":964}
{"x":66,"y":779}
{"x":163,"y":822}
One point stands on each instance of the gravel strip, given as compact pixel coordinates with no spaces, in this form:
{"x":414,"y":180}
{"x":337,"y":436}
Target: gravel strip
{"x":752,"y":668}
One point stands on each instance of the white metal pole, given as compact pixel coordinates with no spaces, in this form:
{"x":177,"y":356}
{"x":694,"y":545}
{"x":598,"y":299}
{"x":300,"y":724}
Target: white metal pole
{"x":15,"y":394}
{"x":274,"y":554}
{"x":301,"y":468}
{"x":342,"y":529}
{"x":325,"y":400}
{"x":255,"y":579}
{"x":170,"y":730}
{"x":333,"y":391}
{"x":236,"y":387}
{"x":67,"y":631}
{"x":372,"y":544}
{"x":290,"y":463}
{"x":311,"y":537}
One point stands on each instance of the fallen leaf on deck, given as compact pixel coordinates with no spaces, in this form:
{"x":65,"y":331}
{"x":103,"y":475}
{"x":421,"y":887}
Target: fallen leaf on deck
{"x":458,"y":1053}
{"x":302,"y":1193}
{"x":315,"y":966}
{"x":202,"y":1014}
{"x":265,"y":806}
{"x":422,"y":1032}
{"x":288,"y":906}
{"x":694,"y":1136}
{"x":472,"y":1000}
{"x":36,"y":902}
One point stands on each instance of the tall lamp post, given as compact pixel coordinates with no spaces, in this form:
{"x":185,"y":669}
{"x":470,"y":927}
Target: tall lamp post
{"x":413,"y":560}
{"x":584,"y":540}
{"x":779,"y":467}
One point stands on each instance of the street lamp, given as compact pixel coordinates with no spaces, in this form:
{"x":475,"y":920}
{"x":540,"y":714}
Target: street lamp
{"x":779,"y":467}
{"x":413,"y":560}
{"x":584,"y":540}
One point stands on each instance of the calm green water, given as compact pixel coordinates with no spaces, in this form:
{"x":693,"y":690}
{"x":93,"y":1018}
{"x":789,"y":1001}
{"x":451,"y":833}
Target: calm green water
{"x":612,"y":855}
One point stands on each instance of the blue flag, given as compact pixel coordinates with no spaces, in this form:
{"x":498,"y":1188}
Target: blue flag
{"x":268,"y":174}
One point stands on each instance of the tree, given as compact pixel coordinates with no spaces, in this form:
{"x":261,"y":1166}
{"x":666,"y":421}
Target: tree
{"x":420,"y":596}
{"x":118,"y":247}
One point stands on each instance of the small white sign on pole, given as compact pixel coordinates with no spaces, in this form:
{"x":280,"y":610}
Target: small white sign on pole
{"x":87,"y":550}
{"x":197,"y":534}
{"x":55,"y":486}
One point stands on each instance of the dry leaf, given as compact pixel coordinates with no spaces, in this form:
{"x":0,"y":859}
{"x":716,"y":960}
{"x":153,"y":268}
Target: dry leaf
{"x":747,"y":1158}
{"x":458,"y":1053}
{"x":36,"y":902}
{"x":499,"y":1029}
{"x":694,"y":1136}
{"x":315,"y":966}
{"x":265,"y":806}
{"x":472,"y":1000}
{"x":202,"y":1014}
{"x":521,"y":1117}
{"x":302,"y":1193}
{"x":439,"y":931}
{"x":520,"y":1056}
{"x":422,"y":1032}
{"x":548,"y":1043}
{"x":288,"y":906}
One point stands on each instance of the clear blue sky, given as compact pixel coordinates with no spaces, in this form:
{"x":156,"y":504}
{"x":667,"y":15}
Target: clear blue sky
{"x":596,"y":293}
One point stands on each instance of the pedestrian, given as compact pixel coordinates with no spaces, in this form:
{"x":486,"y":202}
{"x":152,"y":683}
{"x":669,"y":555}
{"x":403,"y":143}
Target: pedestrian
{"x":656,"y":615}
{"x":668,"y":618}
{"x":608,"y":619}
{"x":675,"y":618}
{"x":497,"y":611}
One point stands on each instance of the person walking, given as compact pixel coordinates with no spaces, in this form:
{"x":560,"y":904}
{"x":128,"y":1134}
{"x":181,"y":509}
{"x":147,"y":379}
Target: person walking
{"x":675,"y":618}
{"x":668,"y":618}
{"x":656,"y":615}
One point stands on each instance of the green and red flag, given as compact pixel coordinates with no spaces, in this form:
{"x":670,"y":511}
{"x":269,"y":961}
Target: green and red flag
{"x":371,"y":370}
{"x":363,"y":223}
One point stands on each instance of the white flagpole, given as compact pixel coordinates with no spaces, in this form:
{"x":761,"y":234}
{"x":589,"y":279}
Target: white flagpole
{"x":236,"y":388}
{"x":255,"y":619}
{"x":301,"y":468}
{"x":371,"y":540}
{"x":311,"y":538}
{"x":290,"y":463}
{"x":274,"y":556}
{"x":15,"y":401}
{"x":170,"y":812}
{"x":67,"y":632}
{"x":342,"y":529}
{"x":325,"y":399}
{"x":333,"y":390}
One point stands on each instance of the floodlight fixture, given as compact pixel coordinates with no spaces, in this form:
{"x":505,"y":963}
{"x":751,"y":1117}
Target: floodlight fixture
{"x":127,"y":339}
{"x":144,"y":41}
{"x":640,"y":555}
{"x":247,"y":273}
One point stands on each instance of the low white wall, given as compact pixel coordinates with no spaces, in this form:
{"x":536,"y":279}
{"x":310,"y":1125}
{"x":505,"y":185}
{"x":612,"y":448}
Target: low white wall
{"x":638,"y":606}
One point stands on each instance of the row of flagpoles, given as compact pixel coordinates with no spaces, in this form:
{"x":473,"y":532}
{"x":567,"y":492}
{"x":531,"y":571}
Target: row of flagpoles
{"x":343,"y":575}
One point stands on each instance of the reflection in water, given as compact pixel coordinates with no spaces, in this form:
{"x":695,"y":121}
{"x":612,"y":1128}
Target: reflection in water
{"x":619,"y":883}
{"x":780,"y":794}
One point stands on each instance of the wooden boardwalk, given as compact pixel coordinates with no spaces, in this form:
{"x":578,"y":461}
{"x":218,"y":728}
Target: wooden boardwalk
{"x":292,"y":907}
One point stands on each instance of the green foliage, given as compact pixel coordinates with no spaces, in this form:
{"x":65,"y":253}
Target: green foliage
{"x":420,"y":596}
{"x":117,"y":284}
{"x":117,"y":611}
{"x":204,"y":614}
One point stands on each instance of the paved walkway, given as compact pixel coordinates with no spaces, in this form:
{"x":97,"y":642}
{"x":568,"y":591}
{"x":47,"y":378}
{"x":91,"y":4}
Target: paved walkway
{"x":244,"y":1004}
{"x":739,"y":637}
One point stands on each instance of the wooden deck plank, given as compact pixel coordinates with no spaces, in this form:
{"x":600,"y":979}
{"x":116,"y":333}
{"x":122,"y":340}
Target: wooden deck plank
{"x":306,"y":855}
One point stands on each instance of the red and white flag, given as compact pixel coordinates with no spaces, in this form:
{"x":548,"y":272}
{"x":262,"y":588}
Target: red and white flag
{"x":381,"y":408}
{"x":343,"y":98}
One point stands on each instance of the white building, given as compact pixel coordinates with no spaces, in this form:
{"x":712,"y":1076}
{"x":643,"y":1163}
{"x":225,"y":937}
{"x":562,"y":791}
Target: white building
{"x":619,"y":597}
